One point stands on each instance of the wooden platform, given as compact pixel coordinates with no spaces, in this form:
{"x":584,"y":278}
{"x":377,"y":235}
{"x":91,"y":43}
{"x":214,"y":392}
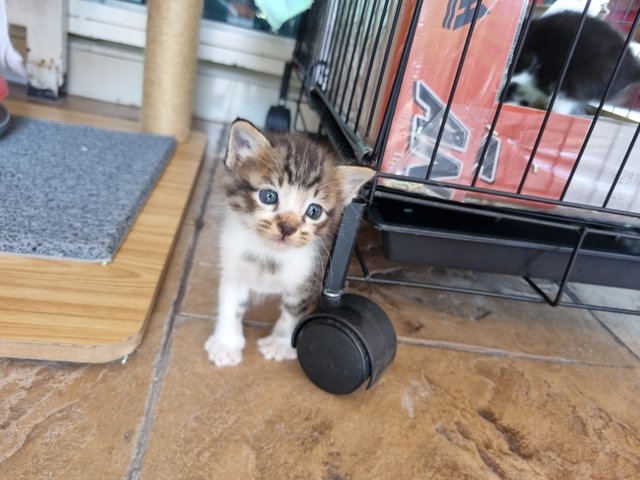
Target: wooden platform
{"x":82,"y":312}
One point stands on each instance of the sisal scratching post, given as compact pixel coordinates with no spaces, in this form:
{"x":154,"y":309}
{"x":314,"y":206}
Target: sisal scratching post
{"x":170,"y":66}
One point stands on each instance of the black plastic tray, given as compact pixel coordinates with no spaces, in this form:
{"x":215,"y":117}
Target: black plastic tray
{"x":463,"y":239}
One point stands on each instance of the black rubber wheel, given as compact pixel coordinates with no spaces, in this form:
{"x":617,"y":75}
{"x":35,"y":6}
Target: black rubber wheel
{"x":344,"y":342}
{"x":278,"y":119}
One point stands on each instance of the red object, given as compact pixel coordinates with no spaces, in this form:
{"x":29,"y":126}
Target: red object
{"x":623,"y":13}
{"x":433,"y":60}
{"x":4,"y":88}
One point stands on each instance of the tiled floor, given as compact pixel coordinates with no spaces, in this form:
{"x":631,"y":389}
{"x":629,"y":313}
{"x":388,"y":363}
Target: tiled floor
{"x":480,"y":389}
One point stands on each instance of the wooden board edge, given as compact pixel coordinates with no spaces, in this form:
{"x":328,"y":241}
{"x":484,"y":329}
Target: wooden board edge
{"x":72,"y":353}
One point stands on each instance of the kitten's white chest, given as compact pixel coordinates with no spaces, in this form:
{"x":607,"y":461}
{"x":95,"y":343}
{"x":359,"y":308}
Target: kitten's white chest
{"x":263,"y":270}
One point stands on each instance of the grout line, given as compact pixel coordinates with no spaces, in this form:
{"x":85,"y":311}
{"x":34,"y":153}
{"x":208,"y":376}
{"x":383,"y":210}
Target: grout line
{"x":196,"y":316}
{"x":496,"y":352}
{"x":594,"y":314}
{"x":257,"y":324}
{"x":246,"y":323}
{"x":444,"y":345}
{"x":142,"y":440}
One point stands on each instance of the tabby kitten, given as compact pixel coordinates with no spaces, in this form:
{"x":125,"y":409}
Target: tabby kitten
{"x":285,"y":199}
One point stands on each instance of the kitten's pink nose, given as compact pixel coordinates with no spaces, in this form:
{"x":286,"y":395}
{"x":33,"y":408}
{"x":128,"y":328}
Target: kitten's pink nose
{"x":286,"y":229}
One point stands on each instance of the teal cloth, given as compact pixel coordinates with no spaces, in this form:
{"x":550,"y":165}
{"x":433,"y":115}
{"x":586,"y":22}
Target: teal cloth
{"x":277,"y":12}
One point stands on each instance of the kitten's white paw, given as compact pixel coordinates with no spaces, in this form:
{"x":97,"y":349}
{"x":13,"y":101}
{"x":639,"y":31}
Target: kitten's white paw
{"x":224,"y":352}
{"x":277,"y":348}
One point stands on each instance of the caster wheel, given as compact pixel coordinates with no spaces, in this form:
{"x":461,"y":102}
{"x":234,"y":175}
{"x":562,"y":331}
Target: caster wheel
{"x":344,"y":342}
{"x":278,"y":119}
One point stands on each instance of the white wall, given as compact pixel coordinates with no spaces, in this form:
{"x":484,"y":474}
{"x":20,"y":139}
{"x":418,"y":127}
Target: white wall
{"x":113,"y":73}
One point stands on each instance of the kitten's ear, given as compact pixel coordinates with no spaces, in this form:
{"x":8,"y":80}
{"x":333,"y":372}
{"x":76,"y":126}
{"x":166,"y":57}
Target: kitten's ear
{"x":245,"y":141}
{"x":352,"y":178}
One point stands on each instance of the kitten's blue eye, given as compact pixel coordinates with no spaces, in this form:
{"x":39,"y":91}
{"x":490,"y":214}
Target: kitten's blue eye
{"x":268,"y":197}
{"x":314,"y":211}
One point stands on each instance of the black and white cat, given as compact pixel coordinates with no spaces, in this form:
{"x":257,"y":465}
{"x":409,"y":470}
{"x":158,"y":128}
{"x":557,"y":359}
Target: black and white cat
{"x":285,"y":196}
{"x":546,"y":46}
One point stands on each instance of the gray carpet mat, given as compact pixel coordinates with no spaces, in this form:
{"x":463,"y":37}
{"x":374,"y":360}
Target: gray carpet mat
{"x":69,"y":191}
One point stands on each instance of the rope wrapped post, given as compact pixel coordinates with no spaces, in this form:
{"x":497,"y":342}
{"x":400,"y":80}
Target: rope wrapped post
{"x":170,"y":66}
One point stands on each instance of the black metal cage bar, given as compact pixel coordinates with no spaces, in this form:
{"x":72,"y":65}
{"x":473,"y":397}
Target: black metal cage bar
{"x":503,"y":94}
{"x":454,"y":88}
{"x":376,"y":42}
{"x":554,"y":96}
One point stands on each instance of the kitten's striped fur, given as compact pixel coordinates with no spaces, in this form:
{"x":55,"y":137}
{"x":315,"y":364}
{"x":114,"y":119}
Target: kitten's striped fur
{"x":276,"y":248}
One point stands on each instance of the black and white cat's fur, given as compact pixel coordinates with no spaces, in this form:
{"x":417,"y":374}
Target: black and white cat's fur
{"x":546,"y":46}
{"x":285,"y":196}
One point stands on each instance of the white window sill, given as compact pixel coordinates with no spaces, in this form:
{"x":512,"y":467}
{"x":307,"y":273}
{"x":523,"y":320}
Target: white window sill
{"x":223,"y":44}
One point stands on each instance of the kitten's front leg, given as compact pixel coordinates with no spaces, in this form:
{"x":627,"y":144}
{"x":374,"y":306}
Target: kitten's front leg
{"x":225,"y":345}
{"x":277,"y":346}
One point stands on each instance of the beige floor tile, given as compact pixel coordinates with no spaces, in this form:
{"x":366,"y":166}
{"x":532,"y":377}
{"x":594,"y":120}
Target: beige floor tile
{"x":434,"y":414}
{"x":203,"y":278}
{"x":217,"y":133}
{"x":202,"y":187}
{"x":72,"y":421}
{"x":625,"y":327}
{"x":200,"y":298}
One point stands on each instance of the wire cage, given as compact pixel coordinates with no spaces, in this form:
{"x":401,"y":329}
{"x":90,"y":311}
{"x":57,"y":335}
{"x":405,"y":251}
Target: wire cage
{"x":441,"y":196}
